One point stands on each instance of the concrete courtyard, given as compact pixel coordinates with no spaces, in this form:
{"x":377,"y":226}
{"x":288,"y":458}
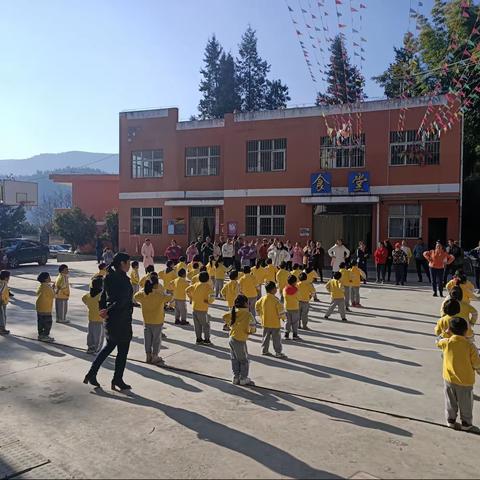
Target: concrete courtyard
{"x":362,"y":399}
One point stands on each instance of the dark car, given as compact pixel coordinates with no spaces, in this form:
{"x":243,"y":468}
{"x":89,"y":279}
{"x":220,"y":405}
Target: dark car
{"x":16,"y":251}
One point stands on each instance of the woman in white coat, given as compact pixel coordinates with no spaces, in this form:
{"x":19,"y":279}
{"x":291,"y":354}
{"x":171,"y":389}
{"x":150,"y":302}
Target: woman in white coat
{"x":147,"y":253}
{"x":278,"y":253}
{"x":339,"y":252}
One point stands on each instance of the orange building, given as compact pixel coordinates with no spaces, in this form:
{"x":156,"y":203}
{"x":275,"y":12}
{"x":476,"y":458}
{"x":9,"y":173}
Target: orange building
{"x":283,"y":174}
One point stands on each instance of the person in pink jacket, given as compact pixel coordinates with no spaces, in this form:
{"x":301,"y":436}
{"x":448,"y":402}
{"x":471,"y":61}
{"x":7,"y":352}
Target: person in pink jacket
{"x":437,"y":260}
{"x":147,"y":253}
{"x":297,"y":254}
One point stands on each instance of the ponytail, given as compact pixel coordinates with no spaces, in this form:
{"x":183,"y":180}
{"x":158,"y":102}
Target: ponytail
{"x":234,"y":315}
{"x":150,"y":285}
{"x":118,"y":258}
{"x":240,"y":302}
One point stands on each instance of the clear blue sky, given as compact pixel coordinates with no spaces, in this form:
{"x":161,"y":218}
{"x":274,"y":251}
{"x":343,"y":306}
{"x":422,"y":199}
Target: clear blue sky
{"x":67,"y":67}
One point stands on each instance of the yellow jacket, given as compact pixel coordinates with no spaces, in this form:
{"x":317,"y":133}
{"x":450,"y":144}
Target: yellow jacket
{"x":442,"y":326}
{"x":248,"y":286}
{"x":62,"y":287}
{"x":467,"y":289}
{"x":336,"y":289}
{"x":201,"y":294}
{"x":244,"y":324}
{"x":296,"y":272}
{"x":230,"y":292}
{"x":460,"y":360}
{"x":193,"y":273}
{"x":211,"y":269}
{"x":270,"y":273}
{"x":356,"y":276}
{"x":311,"y":276}
{"x":4,"y":293}
{"x":270,"y":311}
{"x":181,"y":265}
{"x":190,"y":266}
{"x":134,"y":276}
{"x":282,"y":277}
{"x":305,"y":291}
{"x":290,"y":298}
{"x":45,"y":297}
{"x":93,"y":306}
{"x":144,"y":279}
{"x":259,"y":274}
{"x":180,"y":284}
{"x":153,"y":311}
{"x":220,"y":272}
{"x":346,"y":279}
{"x":168,"y":278}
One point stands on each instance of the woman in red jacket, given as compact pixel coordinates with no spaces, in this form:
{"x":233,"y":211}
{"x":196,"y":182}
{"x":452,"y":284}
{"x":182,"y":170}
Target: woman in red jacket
{"x":381,"y":255}
{"x":438,"y":259}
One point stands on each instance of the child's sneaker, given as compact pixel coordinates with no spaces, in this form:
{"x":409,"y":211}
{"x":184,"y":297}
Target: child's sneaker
{"x":287,"y":336}
{"x":4,"y":331}
{"x":281,"y":355}
{"x":453,"y":424}
{"x":207,"y":342}
{"x":177,"y":322}
{"x":199,"y":341}
{"x":296,"y":337}
{"x":326,"y":317}
{"x":247,"y":382}
{"x":267,"y":354}
{"x":46,"y":338}
{"x":158,"y":361}
{"x":91,"y":351}
{"x":184,"y":323}
{"x":344,"y":319}
{"x":236,"y":381}
{"x":470,"y":428}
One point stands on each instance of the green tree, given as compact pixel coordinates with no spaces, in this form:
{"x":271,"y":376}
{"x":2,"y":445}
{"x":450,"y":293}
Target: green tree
{"x":227,"y":95}
{"x":75,"y":227}
{"x":345,"y":82}
{"x":208,"y":106}
{"x":251,"y":71}
{"x":13,"y":222}
{"x":111,"y":225}
{"x":277,"y":95}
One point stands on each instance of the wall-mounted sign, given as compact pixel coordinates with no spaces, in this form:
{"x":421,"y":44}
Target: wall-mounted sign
{"x":305,"y":232}
{"x":321,"y":183}
{"x":359,"y":182}
{"x":232,"y":229}
{"x":176,"y":227}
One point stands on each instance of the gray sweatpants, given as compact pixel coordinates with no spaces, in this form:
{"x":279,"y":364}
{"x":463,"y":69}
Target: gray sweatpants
{"x":338,"y":302}
{"x":61,"y":307}
{"x":95,"y":336}
{"x":275,"y":335}
{"x":135,"y":288}
{"x":457,"y":398}
{"x":153,"y":338}
{"x":239,"y":357}
{"x":3,"y":316}
{"x":251,"y":305}
{"x":181,"y":310}
{"x":201,"y":324}
{"x":348,"y":293}
{"x":355,"y":295}
{"x":304,"y":309}
{"x":293,"y":319}
{"x":218,"y":286}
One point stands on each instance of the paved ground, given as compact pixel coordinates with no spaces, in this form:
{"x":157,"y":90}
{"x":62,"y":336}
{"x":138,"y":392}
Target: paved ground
{"x":313,"y":419}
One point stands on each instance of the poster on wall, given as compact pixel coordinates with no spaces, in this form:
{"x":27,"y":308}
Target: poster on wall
{"x":304,"y":232}
{"x":232,"y":229}
{"x":176,"y":227}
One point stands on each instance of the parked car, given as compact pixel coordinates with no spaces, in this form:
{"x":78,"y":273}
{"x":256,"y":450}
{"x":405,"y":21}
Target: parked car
{"x":56,"y":249}
{"x":16,"y":251}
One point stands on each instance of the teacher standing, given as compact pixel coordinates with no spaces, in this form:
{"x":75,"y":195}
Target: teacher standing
{"x":147,"y":253}
{"x":116,"y":308}
{"x":339,"y":252}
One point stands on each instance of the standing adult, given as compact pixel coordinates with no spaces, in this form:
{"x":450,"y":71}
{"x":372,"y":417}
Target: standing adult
{"x":438,"y":259}
{"x":297,"y":254}
{"x":98,"y":249}
{"x":388,"y":265}
{"x":192,"y":251}
{"x":217,"y":250}
{"x":454,"y":250}
{"x":199,"y":243}
{"x":408,"y":253}
{"x":420,"y":261}
{"x":338,"y":253}
{"x":474,"y":256}
{"x":148,"y":253}
{"x":107,"y":256}
{"x":279,"y":254}
{"x":237,"y":245}
{"x":362,"y":256}
{"x":308,"y":251}
{"x":173,"y":251}
{"x":207,"y":250}
{"x":116,"y":308}
{"x":380,"y":255}
{"x":399,"y":261}
{"x":245,"y":252}
{"x":263,"y":250}
{"x":319,"y":260}
{"x":228,"y":252}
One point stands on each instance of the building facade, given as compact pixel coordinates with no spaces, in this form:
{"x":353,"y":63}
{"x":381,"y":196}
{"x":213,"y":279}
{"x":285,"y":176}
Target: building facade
{"x":284,"y":174}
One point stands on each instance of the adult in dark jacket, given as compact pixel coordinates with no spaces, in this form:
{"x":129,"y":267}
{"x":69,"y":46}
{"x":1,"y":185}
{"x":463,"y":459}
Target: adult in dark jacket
{"x":474,"y":256}
{"x":420,"y":261}
{"x":362,"y":255}
{"x":206,"y":250}
{"x":388,"y":265}
{"x":319,"y":259}
{"x":116,"y":307}
{"x":457,"y":264}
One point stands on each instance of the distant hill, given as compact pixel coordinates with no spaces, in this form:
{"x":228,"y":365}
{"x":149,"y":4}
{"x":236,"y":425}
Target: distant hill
{"x":53,"y":161}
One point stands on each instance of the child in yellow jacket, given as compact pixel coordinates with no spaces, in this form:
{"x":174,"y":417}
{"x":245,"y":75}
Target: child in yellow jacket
{"x":182,"y":263}
{"x":345,"y":280}
{"x":219,"y":275}
{"x":356,"y":278}
{"x":241,"y":325}
{"x":282,"y":279}
{"x":4,"y":299}
{"x":461,"y":280}
{"x":306,"y":291}
{"x":44,"y":307}
{"x":230,"y":292}
{"x":134,"y":279}
{"x":148,"y":273}
{"x":193,"y":270}
{"x":460,"y":361}
{"x":453,"y":307}
{"x":271,"y":312}
{"x":292,"y":307}
{"x":296,"y":270}
{"x":153,"y":312}
{"x":102,"y":272}
{"x":270,"y":271}
{"x":95,"y":335}
{"x":258,"y":271}
{"x":180,"y":285}
{"x":62,"y":294}
{"x":201,"y":295}
{"x":337,"y":294}
{"x":248,"y":287}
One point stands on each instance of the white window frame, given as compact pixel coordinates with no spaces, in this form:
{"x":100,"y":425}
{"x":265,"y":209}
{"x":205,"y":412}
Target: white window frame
{"x":145,"y":162}
{"x":406,"y":143}
{"x":273,"y":151}
{"x":350,"y":147}
{"x":213,"y":161}
{"x":259,"y":216}
{"x":404,"y":217}
{"x":143,"y":215}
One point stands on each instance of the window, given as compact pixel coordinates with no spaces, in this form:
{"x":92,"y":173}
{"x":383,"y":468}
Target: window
{"x":265,"y":220}
{"x":266,"y":155}
{"x":404,"y":221}
{"x":407,"y":148}
{"x":146,"y":221}
{"x":147,"y":164}
{"x":201,"y":161}
{"x":338,"y":152}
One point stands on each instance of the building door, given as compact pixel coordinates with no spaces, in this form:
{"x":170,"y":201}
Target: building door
{"x":202,"y":222}
{"x":437,"y":230}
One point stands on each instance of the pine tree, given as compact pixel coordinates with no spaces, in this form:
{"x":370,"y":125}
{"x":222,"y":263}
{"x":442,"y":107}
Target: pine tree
{"x":276,"y":95}
{"x":227,"y":96}
{"x":251,"y":73}
{"x":209,"y":84}
{"x":345,"y":82}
